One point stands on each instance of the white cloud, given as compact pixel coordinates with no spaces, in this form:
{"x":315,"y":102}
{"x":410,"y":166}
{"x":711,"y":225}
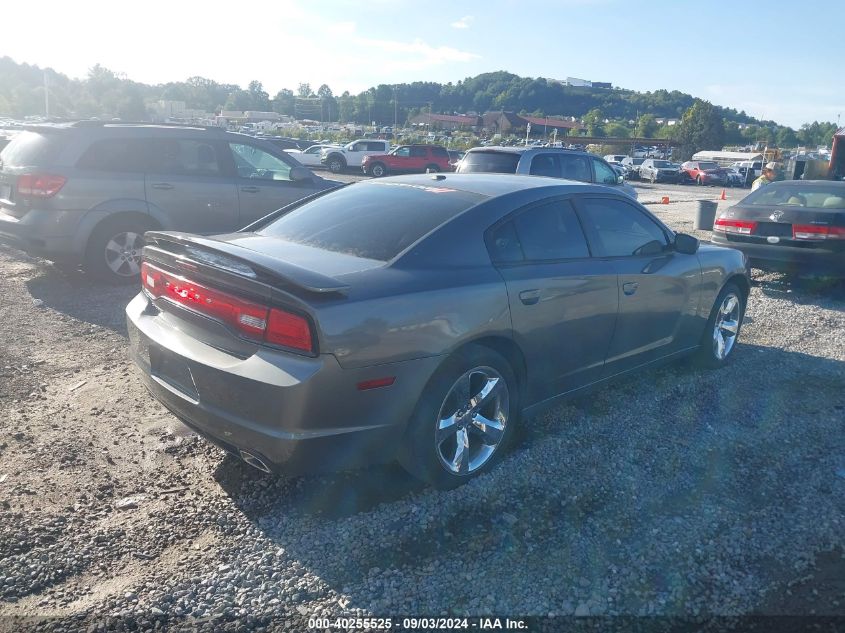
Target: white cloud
{"x":463,"y":23}
{"x":418,"y":51}
{"x":341,"y":28}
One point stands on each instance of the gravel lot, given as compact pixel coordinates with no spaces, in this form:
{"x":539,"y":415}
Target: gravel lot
{"x":681,"y":492}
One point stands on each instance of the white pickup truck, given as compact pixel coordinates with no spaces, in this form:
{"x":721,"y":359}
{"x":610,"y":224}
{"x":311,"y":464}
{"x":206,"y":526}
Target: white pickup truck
{"x":337,"y":159}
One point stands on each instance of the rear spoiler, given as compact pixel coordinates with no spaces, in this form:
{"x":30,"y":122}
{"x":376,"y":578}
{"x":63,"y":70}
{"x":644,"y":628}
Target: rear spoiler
{"x":273,"y":266}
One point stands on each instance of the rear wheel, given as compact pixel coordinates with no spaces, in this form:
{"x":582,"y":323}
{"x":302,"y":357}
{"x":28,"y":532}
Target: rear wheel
{"x":378,"y":170}
{"x":114,"y":250}
{"x":722,"y":329}
{"x":464,"y":419}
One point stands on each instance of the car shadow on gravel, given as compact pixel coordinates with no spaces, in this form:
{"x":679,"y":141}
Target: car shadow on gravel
{"x":331,"y":496}
{"x":820,"y":291}
{"x":696,"y":472}
{"x":77,"y":295}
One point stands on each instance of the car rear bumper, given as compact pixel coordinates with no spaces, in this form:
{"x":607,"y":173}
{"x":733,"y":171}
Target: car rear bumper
{"x":41,"y":233}
{"x":297,"y":414}
{"x":781,"y":258}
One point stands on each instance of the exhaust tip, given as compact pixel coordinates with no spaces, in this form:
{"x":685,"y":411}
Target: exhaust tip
{"x":254,"y":461}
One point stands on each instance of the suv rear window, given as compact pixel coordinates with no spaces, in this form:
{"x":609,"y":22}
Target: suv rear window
{"x":372,"y":219}
{"x":489,"y":163}
{"x":32,"y":149}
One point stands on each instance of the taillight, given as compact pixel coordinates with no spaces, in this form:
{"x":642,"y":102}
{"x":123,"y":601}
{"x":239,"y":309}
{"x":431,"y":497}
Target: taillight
{"x":817,"y":232}
{"x":743,"y":227}
{"x":39,"y":185}
{"x":251,"y":320}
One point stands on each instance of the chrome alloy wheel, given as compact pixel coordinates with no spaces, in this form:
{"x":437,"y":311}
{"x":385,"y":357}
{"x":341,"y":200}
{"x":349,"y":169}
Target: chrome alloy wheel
{"x":123,"y":253}
{"x":726,"y":326}
{"x":472,"y":420}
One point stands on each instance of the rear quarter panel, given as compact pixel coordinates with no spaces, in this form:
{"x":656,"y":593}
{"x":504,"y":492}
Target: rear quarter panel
{"x":718,"y":265}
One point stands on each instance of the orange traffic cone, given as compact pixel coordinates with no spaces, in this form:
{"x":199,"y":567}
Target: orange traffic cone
{"x":723,"y":196}
{"x":664,"y":200}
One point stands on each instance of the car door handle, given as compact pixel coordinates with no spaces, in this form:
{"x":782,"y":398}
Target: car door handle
{"x":630,"y":287}
{"x":529,"y":297}
{"x":251,"y":189}
{"x":161,"y":185}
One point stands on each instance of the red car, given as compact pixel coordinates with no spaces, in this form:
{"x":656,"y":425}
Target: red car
{"x":408,"y":159}
{"x":704,"y":172}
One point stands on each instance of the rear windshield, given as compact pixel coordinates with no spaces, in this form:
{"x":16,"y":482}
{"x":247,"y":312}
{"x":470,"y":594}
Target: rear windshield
{"x":489,"y":163}
{"x":371,"y":219}
{"x":31,"y":149}
{"x":798,"y":195}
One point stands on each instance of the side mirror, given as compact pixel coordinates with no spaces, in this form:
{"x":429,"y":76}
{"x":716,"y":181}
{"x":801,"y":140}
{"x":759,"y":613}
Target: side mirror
{"x":620,"y":180}
{"x":686,"y":244}
{"x":300,"y":174}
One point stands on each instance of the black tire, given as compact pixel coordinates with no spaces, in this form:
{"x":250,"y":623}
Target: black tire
{"x":377,"y":170}
{"x":422,"y":456}
{"x":104,"y":261}
{"x":336,"y":163}
{"x":432,"y":169}
{"x":707,"y":355}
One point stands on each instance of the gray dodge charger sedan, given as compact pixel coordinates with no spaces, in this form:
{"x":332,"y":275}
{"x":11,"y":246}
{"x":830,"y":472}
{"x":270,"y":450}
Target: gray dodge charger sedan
{"x":421,"y":318}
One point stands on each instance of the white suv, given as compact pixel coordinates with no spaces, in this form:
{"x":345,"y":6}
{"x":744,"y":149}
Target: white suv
{"x":337,"y":159}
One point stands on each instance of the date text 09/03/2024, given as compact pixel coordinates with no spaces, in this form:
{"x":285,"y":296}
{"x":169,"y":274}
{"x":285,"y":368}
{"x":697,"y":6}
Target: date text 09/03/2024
{"x":413,"y":624}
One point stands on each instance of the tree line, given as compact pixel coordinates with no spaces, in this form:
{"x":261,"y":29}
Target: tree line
{"x":605,"y":112}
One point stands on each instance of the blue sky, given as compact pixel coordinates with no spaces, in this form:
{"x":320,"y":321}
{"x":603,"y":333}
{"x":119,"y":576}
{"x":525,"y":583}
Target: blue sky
{"x":776,"y":60}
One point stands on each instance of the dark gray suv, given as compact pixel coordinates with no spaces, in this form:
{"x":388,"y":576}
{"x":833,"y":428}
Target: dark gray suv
{"x":86,"y":192}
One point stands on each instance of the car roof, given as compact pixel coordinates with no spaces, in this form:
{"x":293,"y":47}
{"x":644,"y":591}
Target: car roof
{"x":489,"y":185}
{"x":526,"y":150}
{"x":815,"y":184}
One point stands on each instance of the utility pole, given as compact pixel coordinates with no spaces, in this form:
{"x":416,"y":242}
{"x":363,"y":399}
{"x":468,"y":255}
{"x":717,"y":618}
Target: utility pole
{"x":395,"y":113}
{"x":46,"y":97}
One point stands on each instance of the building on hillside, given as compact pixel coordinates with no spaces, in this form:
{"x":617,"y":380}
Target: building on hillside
{"x":501,"y":122}
{"x":605,"y":85}
{"x":544,"y":126}
{"x":581,"y":83}
{"x":447,"y":122}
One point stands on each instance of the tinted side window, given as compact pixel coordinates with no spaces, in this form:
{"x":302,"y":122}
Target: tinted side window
{"x":114,"y":154}
{"x":604,"y":174}
{"x":551,"y":231}
{"x":575,"y":168}
{"x":620,"y":229}
{"x":184,"y":157}
{"x":376,"y":147}
{"x":503,"y":244}
{"x":439,"y":151}
{"x":418,"y":152}
{"x":545,"y":165}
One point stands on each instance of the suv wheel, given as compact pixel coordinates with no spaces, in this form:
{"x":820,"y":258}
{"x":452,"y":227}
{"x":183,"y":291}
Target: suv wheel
{"x":114,"y":250}
{"x":336,"y":164}
{"x":378,"y":170}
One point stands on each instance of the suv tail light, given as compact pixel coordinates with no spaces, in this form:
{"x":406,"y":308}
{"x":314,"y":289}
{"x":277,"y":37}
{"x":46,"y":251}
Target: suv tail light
{"x":816,"y":232}
{"x":743,"y":227}
{"x":39,"y":185}
{"x":251,"y":320}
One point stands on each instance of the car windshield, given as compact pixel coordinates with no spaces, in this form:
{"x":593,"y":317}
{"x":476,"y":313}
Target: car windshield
{"x":373,"y":219}
{"x":662,"y":163}
{"x":489,"y":162}
{"x":708,"y":165}
{"x":794,"y":194}
{"x":638,"y":161}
